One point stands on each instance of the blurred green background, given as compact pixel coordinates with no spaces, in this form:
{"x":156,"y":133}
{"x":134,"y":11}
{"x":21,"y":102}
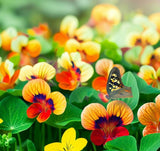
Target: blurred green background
{"x":24,"y":14}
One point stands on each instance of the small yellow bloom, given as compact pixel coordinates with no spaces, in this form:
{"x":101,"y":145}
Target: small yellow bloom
{"x":1,"y":121}
{"x":68,"y":142}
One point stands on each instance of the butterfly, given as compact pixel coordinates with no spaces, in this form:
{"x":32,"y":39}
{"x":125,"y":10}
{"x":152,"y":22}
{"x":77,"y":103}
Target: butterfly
{"x":115,"y":87}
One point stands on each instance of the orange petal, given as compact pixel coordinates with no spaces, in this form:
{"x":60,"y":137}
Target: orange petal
{"x":43,"y":116}
{"x":120,"y":109}
{"x":147,"y":73}
{"x":61,"y":38}
{"x":148,"y":114}
{"x":91,"y":113}
{"x":103,"y":66}
{"x":150,"y":129}
{"x":35,"y":87}
{"x":59,"y":102}
{"x":99,"y":84}
{"x":157,"y":100}
{"x":14,"y":77}
{"x":33,"y":48}
{"x":91,"y":50}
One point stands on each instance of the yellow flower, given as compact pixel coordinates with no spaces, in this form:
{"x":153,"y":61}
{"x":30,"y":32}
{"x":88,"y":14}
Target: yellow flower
{"x":68,"y":142}
{"x":1,"y":121}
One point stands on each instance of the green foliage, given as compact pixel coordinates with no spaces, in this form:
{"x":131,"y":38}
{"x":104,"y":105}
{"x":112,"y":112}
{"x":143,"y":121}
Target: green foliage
{"x":150,"y":142}
{"x":124,"y":143}
{"x":13,"y":112}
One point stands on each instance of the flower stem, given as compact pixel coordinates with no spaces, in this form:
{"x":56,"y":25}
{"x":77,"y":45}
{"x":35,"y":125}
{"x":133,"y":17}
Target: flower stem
{"x":59,"y":134}
{"x":43,"y":135}
{"x":19,"y":141}
{"x":94,"y":147}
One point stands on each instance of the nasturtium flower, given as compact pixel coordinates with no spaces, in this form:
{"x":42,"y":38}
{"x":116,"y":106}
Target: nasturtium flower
{"x":147,"y":37}
{"x":106,"y":124}
{"x":22,"y":44}
{"x":150,"y":75}
{"x":149,"y":115}
{"x":75,"y":71}
{"x":1,"y":121}
{"x":8,"y":75}
{"x":68,"y":142}
{"x":75,"y":39}
{"x":41,"y":70}
{"x":6,"y":38}
{"x":43,"y":101}
{"x":41,"y":30}
{"x":103,"y":68}
{"x":104,"y":17}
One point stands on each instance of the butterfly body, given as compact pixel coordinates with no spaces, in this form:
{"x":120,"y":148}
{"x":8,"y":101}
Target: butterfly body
{"x":115,"y":87}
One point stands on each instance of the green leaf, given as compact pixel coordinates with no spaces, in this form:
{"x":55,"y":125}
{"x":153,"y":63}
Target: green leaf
{"x":124,"y":143}
{"x":71,"y":115}
{"x":46,"y":46}
{"x":132,"y":55}
{"x":150,"y":142}
{"x":129,"y":80}
{"x":13,"y":112}
{"x":111,"y":50}
{"x":83,"y":96}
{"x":30,"y":146}
{"x":15,"y":60}
{"x":144,"y":87}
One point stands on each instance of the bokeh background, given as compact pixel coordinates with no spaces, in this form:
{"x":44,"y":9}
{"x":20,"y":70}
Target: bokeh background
{"x":24,"y":14}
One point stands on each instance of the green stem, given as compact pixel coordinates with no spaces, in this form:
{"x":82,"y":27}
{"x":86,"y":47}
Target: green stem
{"x":94,"y":147}
{"x":43,"y":135}
{"x":59,"y":134}
{"x":19,"y":141}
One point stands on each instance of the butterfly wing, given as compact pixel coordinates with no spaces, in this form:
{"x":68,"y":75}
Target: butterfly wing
{"x":115,"y":87}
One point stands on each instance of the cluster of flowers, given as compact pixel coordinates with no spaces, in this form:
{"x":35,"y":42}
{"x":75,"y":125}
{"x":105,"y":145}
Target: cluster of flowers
{"x":75,"y":67}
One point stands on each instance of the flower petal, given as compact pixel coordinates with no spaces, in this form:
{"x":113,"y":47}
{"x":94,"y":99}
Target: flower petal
{"x":1,"y":121}
{"x":35,"y":87}
{"x":43,"y":116}
{"x":68,"y":25}
{"x":72,"y":45}
{"x":69,"y":137}
{"x":66,"y":80}
{"x":79,"y":144}
{"x":157,"y":100}
{"x":98,"y":137}
{"x":91,"y":113}
{"x":61,"y":38}
{"x":34,"y":110}
{"x":148,"y":114}
{"x":65,"y":61}
{"x":91,"y":50}
{"x":147,"y":73}
{"x":150,"y":129}
{"x":86,"y":72}
{"x":54,"y":147}
{"x":99,"y":84}
{"x":103,"y":67}
{"x":120,"y":109}
{"x":33,"y":48}
{"x":44,"y":70}
{"x":59,"y":102}
{"x":26,"y":72}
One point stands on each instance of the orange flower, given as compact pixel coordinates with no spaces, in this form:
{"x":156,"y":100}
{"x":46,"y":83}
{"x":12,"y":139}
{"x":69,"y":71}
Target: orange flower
{"x":42,"y":30}
{"x":107,"y":124}
{"x":104,"y":17}
{"x":149,"y":74}
{"x":75,"y":71}
{"x":44,"y":102}
{"x":149,"y":115}
{"x":6,"y":38}
{"x":75,"y":39}
{"x":41,"y":70}
{"x":8,"y":75}
{"x":103,"y":68}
